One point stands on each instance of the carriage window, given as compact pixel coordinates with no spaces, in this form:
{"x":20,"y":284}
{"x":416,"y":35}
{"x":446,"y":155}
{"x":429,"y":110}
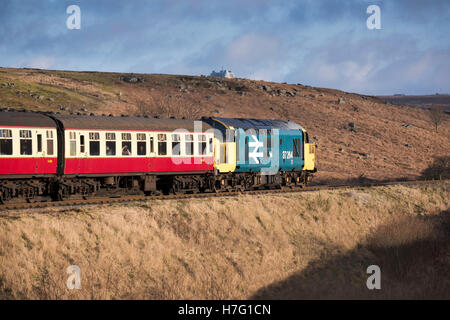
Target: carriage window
{"x":110,"y":144}
{"x":94,"y":136}
{"x":39,"y":143}
{"x":6,"y":142}
{"x":189,"y":144}
{"x":162,"y":144}
{"x":211,"y":145}
{"x":176,"y":145}
{"x":126,"y":144}
{"x":296,"y":146}
{"x":50,"y":150}
{"x":73,"y":148}
{"x":126,"y":136}
{"x":73,"y":143}
{"x":25,"y":134}
{"x":152,"y":146}
{"x":82,"y":144}
{"x":5,"y":133}
{"x":26,"y":145}
{"x":50,"y":143}
{"x":94,"y":143}
{"x":201,"y":144}
{"x":141,"y":144}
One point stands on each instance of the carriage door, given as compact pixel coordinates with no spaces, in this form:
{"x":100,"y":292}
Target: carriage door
{"x":83,"y":153}
{"x":40,"y":153}
{"x":151,"y":149}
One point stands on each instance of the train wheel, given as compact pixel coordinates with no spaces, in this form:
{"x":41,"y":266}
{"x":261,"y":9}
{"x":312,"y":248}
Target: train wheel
{"x":175,"y":188}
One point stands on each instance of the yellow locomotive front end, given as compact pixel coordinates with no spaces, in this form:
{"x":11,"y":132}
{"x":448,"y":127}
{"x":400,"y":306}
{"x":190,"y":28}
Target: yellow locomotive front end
{"x":310,"y":155}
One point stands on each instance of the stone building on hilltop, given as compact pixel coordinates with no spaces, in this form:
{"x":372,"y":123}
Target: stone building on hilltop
{"x":223,"y":74}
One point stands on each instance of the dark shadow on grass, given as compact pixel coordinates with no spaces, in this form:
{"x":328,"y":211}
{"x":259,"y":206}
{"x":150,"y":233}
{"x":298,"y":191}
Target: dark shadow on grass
{"x":413,"y":254}
{"x":438,"y":170}
{"x":357,"y":181}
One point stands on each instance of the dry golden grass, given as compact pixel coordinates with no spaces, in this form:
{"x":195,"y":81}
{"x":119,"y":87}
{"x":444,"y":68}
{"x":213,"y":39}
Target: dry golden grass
{"x":300,"y":245}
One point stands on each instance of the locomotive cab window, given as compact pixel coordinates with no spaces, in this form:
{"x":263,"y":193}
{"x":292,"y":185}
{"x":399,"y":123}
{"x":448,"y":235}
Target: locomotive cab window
{"x":110,"y":144}
{"x":94,"y":143}
{"x":126,"y":144}
{"x":49,"y":135}
{"x":296,"y":148}
{"x":176,"y":145}
{"x":201,"y":144}
{"x":26,"y":144}
{"x":141,"y":144}
{"x":162,"y":144}
{"x":6,"y":145}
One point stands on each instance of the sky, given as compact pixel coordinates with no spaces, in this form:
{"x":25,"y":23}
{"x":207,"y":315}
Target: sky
{"x":324,"y":43}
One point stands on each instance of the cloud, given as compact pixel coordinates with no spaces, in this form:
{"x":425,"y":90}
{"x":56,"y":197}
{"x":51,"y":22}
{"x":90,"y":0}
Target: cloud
{"x":319,"y":42}
{"x":376,"y":66}
{"x":251,"y":48}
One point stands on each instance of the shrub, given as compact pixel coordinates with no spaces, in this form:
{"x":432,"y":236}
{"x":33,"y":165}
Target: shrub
{"x":438,"y":170}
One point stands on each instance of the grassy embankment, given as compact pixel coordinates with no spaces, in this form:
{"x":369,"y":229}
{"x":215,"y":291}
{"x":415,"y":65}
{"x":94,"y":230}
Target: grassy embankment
{"x":300,"y":245}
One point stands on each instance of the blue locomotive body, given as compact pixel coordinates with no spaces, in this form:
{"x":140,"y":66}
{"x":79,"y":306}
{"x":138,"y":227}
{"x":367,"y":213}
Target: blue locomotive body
{"x":269,"y":150}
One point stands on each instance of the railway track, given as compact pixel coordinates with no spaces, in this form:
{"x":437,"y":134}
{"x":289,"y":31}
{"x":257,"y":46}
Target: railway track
{"x":130,"y":198}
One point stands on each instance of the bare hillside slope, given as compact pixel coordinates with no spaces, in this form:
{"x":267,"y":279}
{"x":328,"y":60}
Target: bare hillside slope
{"x":356,"y":135}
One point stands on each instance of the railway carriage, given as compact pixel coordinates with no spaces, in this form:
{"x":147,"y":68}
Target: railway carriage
{"x":27,"y":145}
{"x":28,"y":154}
{"x":138,"y":153}
{"x":99,"y":145}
